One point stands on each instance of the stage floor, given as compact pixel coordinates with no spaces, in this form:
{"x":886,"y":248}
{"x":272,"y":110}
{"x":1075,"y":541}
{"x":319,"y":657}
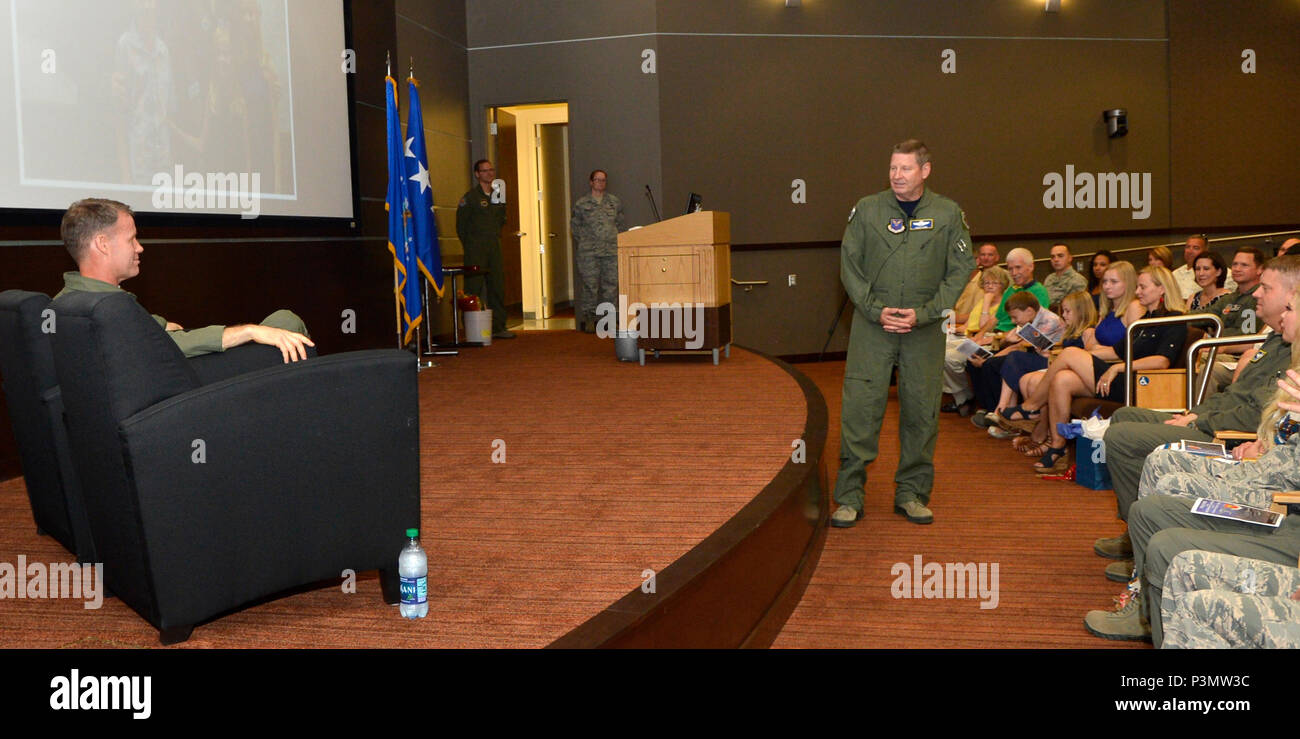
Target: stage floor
{"x":554,"y":477}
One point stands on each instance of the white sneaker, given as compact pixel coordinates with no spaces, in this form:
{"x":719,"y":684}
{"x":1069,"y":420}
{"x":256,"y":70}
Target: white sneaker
{"x":998,"y":432}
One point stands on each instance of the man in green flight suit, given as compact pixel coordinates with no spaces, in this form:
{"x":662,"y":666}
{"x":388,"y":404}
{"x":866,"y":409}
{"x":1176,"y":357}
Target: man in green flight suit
{"x":479,"y":217}
{"x":101,"y":237}
{"x":904,"y":260}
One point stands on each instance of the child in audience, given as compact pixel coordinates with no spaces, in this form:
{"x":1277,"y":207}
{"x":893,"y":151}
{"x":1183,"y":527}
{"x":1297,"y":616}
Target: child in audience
{"x":1021,"y":307}
{"x":1022,"y":372}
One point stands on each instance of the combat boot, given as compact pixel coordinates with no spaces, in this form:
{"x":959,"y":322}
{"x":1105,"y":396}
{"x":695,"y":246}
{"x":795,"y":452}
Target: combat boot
{"x":1125,"y":623}
{"x":1121,"y":571}
{"x":1119,"y":547}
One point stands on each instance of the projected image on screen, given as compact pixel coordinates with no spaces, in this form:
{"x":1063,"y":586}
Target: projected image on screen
{"x":115,"y":97}
{"x":230,"y":115}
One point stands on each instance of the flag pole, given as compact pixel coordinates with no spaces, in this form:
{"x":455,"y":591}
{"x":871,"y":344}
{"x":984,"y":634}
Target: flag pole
{"x":397,"y":305}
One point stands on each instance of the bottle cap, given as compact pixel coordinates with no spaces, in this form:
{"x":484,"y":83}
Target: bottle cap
{"x":412,"y":533}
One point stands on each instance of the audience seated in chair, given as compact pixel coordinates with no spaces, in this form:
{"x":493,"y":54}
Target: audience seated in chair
{"x":1022,"y":371}
{"x":1134,"y":432}
{"x":1161,"y":524}
{"x":1239,"y":314}
{"x":1209,"y":275}
{"x":985,"y":380}
{"x":1099,"y":373}
{"x":1022,"y":307}
{"x":981,"y":321}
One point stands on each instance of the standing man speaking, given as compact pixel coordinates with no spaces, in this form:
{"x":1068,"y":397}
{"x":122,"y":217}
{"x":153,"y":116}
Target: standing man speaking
{"x":905,"y":258}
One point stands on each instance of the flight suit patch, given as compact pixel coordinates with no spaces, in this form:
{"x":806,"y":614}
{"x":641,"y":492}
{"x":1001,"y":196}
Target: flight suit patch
{"x":921,"y":224}
{"x":896,"y":225}
{"x":1258,"y":356}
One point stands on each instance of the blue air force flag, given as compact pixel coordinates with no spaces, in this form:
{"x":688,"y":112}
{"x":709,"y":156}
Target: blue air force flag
{"x":424,"y":227}
{"x":400,"y":242}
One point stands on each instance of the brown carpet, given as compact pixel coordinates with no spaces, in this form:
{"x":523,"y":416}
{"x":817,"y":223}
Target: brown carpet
{"x":989,"y":507}
{"x":610,"y":469}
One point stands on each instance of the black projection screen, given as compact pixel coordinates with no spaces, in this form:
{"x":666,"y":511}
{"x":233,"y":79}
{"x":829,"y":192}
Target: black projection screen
{"x":177,"y":106}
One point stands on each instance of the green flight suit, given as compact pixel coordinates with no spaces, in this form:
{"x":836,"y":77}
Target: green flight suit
{"x":478,"y":225}
{"x":888,"y":259}
{"x":193,"y":343}
{"x":1238,"y":313}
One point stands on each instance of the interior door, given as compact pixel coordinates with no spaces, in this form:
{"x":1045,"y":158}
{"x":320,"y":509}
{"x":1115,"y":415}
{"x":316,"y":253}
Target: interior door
{"x":553,"y":207}
{"x":508,"y":170}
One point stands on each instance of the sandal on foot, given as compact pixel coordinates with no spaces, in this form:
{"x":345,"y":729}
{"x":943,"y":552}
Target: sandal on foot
{"x":1036,"y":449}
{"x":1053,"y":461}
{"x":1018,"y":413}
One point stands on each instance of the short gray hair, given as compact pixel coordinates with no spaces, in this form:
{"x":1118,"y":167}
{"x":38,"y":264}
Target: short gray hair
{"x":1020,"y":254}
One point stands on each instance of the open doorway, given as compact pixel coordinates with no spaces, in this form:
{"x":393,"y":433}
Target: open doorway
{"x":530,"y":145}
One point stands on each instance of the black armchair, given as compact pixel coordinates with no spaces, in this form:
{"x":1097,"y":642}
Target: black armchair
{"x":36,"y":414}
{"x":204,"y":498}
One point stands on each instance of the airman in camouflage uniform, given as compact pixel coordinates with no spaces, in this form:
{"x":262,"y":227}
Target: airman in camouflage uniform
{"x":596,"y":223}
{"x":1172,"y":472}
{"x":1213,"y":601}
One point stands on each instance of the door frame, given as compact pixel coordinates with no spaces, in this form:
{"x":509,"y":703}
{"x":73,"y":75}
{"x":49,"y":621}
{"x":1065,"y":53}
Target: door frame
{"x":533,"y":276}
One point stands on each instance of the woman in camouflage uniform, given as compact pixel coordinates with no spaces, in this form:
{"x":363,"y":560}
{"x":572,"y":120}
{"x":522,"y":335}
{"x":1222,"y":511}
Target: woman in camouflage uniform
{"x":595,"y":225}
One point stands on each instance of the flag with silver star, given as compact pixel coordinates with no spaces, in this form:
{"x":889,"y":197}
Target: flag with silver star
{"x":424,"y":226}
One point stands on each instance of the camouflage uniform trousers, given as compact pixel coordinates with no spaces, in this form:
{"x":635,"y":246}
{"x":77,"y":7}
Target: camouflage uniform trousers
{"x":598,"y":272}
{"x":1163,"y":526}
{"x":1171,"y":472}
{"x":1214,"y":601}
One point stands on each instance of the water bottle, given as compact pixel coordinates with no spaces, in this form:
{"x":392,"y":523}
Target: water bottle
{"x":413,"y":570}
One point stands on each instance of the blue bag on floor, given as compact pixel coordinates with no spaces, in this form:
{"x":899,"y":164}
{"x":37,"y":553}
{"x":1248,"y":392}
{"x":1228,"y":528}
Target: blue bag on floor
{"x":1090,"y":464}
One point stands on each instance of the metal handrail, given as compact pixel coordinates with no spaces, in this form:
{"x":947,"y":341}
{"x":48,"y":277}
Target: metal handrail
{"x":1187,"y":318}
{"x":1209,"y":243}
{"x":1213,"y":344}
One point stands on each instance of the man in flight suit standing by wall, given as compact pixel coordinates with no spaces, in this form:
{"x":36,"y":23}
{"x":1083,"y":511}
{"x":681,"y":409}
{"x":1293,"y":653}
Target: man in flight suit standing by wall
{"x":905,"y":258}
{"x":479,"y":218}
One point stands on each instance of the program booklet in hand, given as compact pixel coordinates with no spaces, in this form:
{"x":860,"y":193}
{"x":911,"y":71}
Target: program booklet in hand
{"x":968,"y":348}
{"x":1203,"y":448}
{"x":1237,"y":512}
{"x":1045,"y":331}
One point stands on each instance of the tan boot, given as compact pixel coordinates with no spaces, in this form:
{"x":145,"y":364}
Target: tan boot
{"x":1121,"y":571}
{"x":1124,"y":623}
{"x":1119,"y":547}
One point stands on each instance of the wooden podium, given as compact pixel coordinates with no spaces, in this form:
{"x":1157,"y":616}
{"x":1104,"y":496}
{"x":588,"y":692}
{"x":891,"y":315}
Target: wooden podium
{"x":671,"y":267}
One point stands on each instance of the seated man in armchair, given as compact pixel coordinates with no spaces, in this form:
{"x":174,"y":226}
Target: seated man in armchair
{"x":101,"y":237}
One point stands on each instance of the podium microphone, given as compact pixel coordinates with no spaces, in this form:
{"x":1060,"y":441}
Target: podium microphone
{"x":651,"y":195}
